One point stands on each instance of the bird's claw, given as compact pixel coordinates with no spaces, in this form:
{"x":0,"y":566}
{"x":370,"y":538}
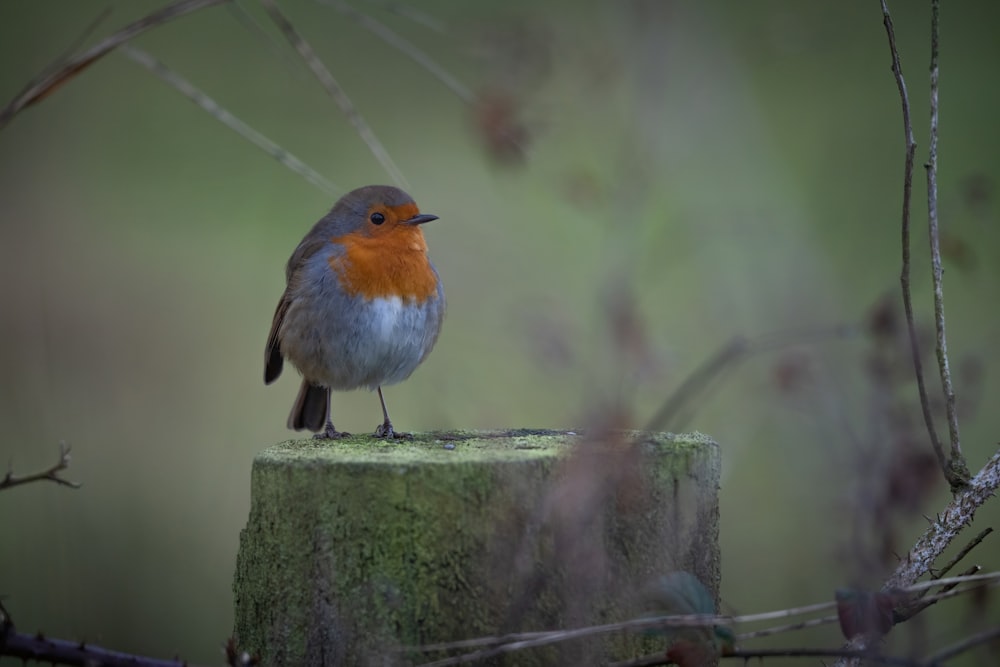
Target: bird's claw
{"x":330,"y":433}
{"x":387,"y":432}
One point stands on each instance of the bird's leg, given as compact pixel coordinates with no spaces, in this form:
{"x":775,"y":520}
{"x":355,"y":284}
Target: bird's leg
{"x":385,"y":430}
{"x":329,"y":432}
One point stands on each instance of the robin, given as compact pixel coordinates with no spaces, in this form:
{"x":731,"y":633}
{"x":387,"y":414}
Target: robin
{"x":362,"y":308}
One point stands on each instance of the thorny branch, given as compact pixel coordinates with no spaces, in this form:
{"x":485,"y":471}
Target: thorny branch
{"x":50,"y":474}
{"x":949,"y":523}
{"x":39,"y":648}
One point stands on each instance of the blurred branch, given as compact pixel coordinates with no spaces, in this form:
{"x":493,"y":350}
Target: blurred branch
{"x":417,"y":16}
{"x":395,"y":40}
{"x":185,"y":88}
{"x":869,"y":655}
{"x":491,"y":647}
{"x":957,"y":471}
{"x":658,"y":659}
{"x":791,"y":627}
{"x":65,"y":69}
{"x":256,"y":28}
{"x":962,"y":646}
{"x":51,"y":474}
{"x":735,"y":351}
{"x":336,"y":92}
{"x":903,"y":615}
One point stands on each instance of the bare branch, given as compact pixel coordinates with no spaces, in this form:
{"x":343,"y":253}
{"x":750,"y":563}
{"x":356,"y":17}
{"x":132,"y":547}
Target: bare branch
{"x":734,"y":352}
{"x":957,"y":468}
{"x":395,"y":40}
{"x":60,"y":72}
{"x":336,"y":92}
{"x":412,"y":13}
{"x":904,"y":277}
{"x":184,"y":87}
{"x":964,"y":645}
{"x":50,"y":475}
{"x":964,"y":552}
{"x":868,"y":656}
{"x":791,"y":627}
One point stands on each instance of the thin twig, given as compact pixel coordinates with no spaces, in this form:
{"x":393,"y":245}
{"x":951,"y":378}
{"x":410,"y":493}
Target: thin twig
{"x":948,"y":581}
{"x":185,"y":88}
{"x":495,"y":646}
{"x":676,"y":621}
{"x":791,"y":627}
{"x":964,"y":551}
{"x":84,"y":36}
{"x":904,"y":276}
{"x":734,"y":352}
{"x":417,"y":16}
{"x":867,"y":656}
{"x":532,"y":639}
{"x":964,"y":645}
{"x":49,"y":475}
{"x":923,"y":602}
{"x":657,"y":659}
{"x":331,"y":86}
{"x":397,"y":41}
{"x":475,"y":642}
{"x":61,"y":72}
{"x":256,"y":28}
{"x":958,"y":470}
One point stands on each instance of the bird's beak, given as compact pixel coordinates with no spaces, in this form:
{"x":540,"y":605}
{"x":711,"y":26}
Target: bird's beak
{"x":420,"y":219}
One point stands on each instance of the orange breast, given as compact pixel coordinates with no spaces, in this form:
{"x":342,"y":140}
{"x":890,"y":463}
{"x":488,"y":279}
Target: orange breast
{"x":389,"y":265}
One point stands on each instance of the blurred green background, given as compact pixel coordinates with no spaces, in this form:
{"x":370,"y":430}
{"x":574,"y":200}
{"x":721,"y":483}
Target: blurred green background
{"x":639,"y":183}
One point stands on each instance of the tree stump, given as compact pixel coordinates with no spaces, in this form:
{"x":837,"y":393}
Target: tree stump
{"x":359,"y":551}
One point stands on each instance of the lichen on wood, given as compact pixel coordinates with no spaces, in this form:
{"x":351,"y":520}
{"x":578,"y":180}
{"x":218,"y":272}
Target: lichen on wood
{"x":358,"y":547}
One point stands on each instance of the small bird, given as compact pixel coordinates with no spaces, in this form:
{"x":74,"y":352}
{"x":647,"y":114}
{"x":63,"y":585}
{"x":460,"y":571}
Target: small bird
{"x":362,"y":307}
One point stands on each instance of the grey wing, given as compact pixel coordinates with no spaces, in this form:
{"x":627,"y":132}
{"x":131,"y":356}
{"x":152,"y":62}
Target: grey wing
{"x":273,"y":361}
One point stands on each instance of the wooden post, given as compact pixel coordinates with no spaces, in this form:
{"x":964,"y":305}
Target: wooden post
{"x":358,"y":549}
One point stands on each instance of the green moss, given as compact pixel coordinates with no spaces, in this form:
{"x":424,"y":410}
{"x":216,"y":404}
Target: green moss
{"x":358,"y":545}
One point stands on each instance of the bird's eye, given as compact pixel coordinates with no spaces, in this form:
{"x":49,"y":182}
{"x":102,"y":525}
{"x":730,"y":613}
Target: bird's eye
{"x":377,"y":218}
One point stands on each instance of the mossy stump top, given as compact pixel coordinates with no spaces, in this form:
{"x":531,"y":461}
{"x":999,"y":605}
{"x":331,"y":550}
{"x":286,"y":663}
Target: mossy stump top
{"x":360,"y":551}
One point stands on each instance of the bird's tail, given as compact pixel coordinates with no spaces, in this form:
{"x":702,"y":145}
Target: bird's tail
{"x":311,"y":409}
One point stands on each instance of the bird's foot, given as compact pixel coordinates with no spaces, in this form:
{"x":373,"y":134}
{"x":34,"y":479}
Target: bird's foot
{"x":387,"y":432}
{"x":330,"y":433}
